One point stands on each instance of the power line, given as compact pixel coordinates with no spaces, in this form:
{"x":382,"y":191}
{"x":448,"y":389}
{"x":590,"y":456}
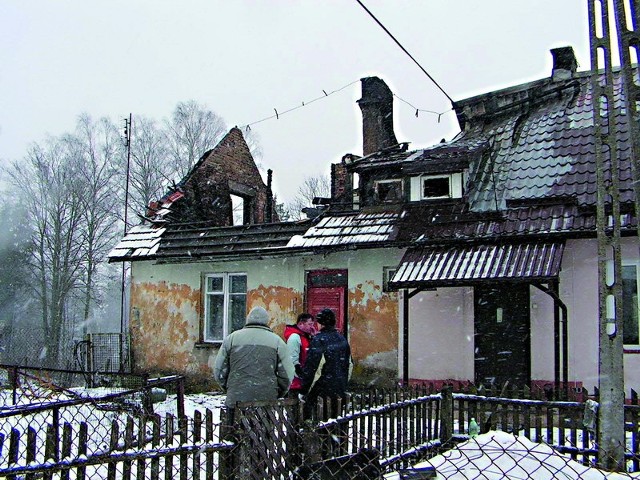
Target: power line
{"x":277,"y":114}
{"x":439,"y":114}
{"x":405,"y":50}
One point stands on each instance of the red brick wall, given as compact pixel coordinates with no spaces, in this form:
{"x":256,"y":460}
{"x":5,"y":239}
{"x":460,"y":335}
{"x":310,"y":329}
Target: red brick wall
{"x":228,"y":168}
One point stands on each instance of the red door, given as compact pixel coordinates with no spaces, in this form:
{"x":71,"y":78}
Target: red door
{"x":328,"y":289}
{"x":319,"y":298}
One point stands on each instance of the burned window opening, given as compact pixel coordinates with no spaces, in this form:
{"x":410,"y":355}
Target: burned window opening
{"x":435,"y":187}
{"x":389,"y":191}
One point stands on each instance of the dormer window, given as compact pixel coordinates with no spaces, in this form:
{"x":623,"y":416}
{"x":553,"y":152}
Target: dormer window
{"x":436,"y":187}
{"x":388,"y":191}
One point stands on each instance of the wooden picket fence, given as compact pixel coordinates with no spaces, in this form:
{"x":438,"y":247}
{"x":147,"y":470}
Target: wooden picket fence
{"x":150,"y":447}
{"x":272,"y":440}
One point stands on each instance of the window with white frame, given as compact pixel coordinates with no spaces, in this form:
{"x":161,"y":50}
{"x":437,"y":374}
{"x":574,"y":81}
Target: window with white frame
{"x":435,"y":187}
{"x":225,"y":304}
{"x":630,"y":327}
{"x":387,"y":275}
{"x":388,"y":191}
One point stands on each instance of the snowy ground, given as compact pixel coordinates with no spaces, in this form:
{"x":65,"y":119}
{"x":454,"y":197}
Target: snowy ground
{"x":192,"y":402}
{"x":494,"y":455}
{"x":499,"y":455}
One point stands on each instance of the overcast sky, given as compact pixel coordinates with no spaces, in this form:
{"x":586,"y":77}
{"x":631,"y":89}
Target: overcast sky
{"x":244,"y":58}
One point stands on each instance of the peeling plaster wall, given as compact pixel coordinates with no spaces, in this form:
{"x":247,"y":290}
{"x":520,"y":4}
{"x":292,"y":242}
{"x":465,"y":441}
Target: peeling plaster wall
{"x":166,"y":307}
{"x":372,"y":314}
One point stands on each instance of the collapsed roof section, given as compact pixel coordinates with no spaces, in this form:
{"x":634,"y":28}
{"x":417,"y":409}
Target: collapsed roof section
{"x":527,"y":157}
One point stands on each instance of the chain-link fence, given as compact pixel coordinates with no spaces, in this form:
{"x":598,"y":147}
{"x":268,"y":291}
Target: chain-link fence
{"x":23,"y":385}
{"x":401,"y":433}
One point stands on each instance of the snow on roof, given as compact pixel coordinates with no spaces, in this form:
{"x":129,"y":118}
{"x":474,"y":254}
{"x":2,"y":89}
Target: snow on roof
{"x":141,"y":240}
{"x":348,"y":229}
{"x":499,"y":455}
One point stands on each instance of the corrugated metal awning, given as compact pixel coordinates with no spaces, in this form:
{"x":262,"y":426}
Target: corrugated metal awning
{"x":466,"y":264}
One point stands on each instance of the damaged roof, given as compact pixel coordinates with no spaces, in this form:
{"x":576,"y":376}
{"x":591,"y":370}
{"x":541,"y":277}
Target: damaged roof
{"x":529,"y":143}
{"x":528,"y":157}
{"x":361,"y":229}
{"x":201,"y":241}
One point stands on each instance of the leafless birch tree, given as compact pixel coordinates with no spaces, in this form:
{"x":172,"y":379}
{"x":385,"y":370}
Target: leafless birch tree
{"x":52,"y":200}
{"x":97,"y":152}
{"x":312,"y":187}
{"x":150,"y":171}
{"x":191,"y":131}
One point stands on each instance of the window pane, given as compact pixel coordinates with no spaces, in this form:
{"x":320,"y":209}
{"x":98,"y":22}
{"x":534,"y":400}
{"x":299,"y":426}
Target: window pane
{"x":435,"y":187}
{"x":630,"y":305}
{"x":238,"y":283}
{"x":237,"y":311}
{"x":215,"y":316}
{"x":214,"y":284}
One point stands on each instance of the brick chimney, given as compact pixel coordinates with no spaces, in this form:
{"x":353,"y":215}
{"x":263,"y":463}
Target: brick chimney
{"x":564,"y":63}
{"x":377,"y":115}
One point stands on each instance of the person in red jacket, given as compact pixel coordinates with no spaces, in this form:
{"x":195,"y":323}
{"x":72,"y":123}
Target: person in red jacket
{"x":298,"y":338}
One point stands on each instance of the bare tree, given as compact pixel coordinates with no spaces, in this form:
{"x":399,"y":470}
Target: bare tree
{"x":150,"y":169}
{"x":191,"y":131}
{"x":46,"y":185}
{"x":97,"y":153}
{"x":312,"y":187}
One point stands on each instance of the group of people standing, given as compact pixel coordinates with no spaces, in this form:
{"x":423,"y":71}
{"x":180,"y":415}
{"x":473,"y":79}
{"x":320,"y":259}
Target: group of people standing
{"x":255,"y":364}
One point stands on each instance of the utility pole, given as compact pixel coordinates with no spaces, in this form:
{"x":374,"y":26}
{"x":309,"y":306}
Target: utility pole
{"x":611,"y":434}
{"x":123,"y":298}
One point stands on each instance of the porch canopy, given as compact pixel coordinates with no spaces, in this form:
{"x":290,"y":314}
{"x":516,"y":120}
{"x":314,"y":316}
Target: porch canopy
{"x":448,"y":265}
{"x":467,"y":264}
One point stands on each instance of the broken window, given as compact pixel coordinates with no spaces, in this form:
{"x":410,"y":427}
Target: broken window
{"x":225,"y":306}
{"x":237,"y":210}
{"x":434,"y":187}
{"x":631,"y":330}
{"x":388,"y":191}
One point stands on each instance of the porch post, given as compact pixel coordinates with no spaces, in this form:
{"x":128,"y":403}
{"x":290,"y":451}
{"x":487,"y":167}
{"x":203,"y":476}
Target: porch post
{"x":405,"y":337}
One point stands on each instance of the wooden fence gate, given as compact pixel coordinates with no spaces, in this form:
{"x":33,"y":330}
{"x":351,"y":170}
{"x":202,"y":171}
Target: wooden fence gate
{"x":268,"y":439}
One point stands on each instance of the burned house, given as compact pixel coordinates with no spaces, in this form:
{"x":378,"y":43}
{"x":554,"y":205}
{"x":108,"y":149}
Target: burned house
{"x":473,"y":260}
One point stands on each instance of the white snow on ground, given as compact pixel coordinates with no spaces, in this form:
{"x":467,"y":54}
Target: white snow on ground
{"x":499,"y":455}
{"x":192,"y":402}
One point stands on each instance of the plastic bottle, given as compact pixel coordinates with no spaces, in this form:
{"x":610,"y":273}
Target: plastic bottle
{"x":474,"y":428}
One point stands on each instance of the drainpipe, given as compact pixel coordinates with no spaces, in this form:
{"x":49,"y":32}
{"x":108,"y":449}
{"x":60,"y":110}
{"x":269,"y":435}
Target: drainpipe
{"x":561,"y":336}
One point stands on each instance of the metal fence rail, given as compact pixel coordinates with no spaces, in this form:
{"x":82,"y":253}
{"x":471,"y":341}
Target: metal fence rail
{"x":363,"y":436}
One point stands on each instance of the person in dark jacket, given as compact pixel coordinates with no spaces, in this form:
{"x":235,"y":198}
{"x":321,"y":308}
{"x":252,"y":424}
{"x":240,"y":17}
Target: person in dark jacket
{"x":253,"y":363}
{"x":298,"y":338}
{"x":326,"y":371}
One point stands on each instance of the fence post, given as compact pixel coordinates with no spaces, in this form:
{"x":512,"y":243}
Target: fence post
{"x":14,"y":384}
{"x":446,"y":414}
{"x":226,"y":464}
{"x":180,"y":397}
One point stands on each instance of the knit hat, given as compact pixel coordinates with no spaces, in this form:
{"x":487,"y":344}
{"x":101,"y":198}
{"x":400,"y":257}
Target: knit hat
{"x":258,"y":316}
{"x":326,"y":317}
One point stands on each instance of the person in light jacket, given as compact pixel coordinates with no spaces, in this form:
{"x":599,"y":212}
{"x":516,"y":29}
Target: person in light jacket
{"x":298,"y":338}
{"x":253,"y":363}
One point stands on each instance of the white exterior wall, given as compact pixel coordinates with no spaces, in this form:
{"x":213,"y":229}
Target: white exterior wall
{"x":442,"y":325}
{"x":579,"y":290}
{"x":441,"y":334}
